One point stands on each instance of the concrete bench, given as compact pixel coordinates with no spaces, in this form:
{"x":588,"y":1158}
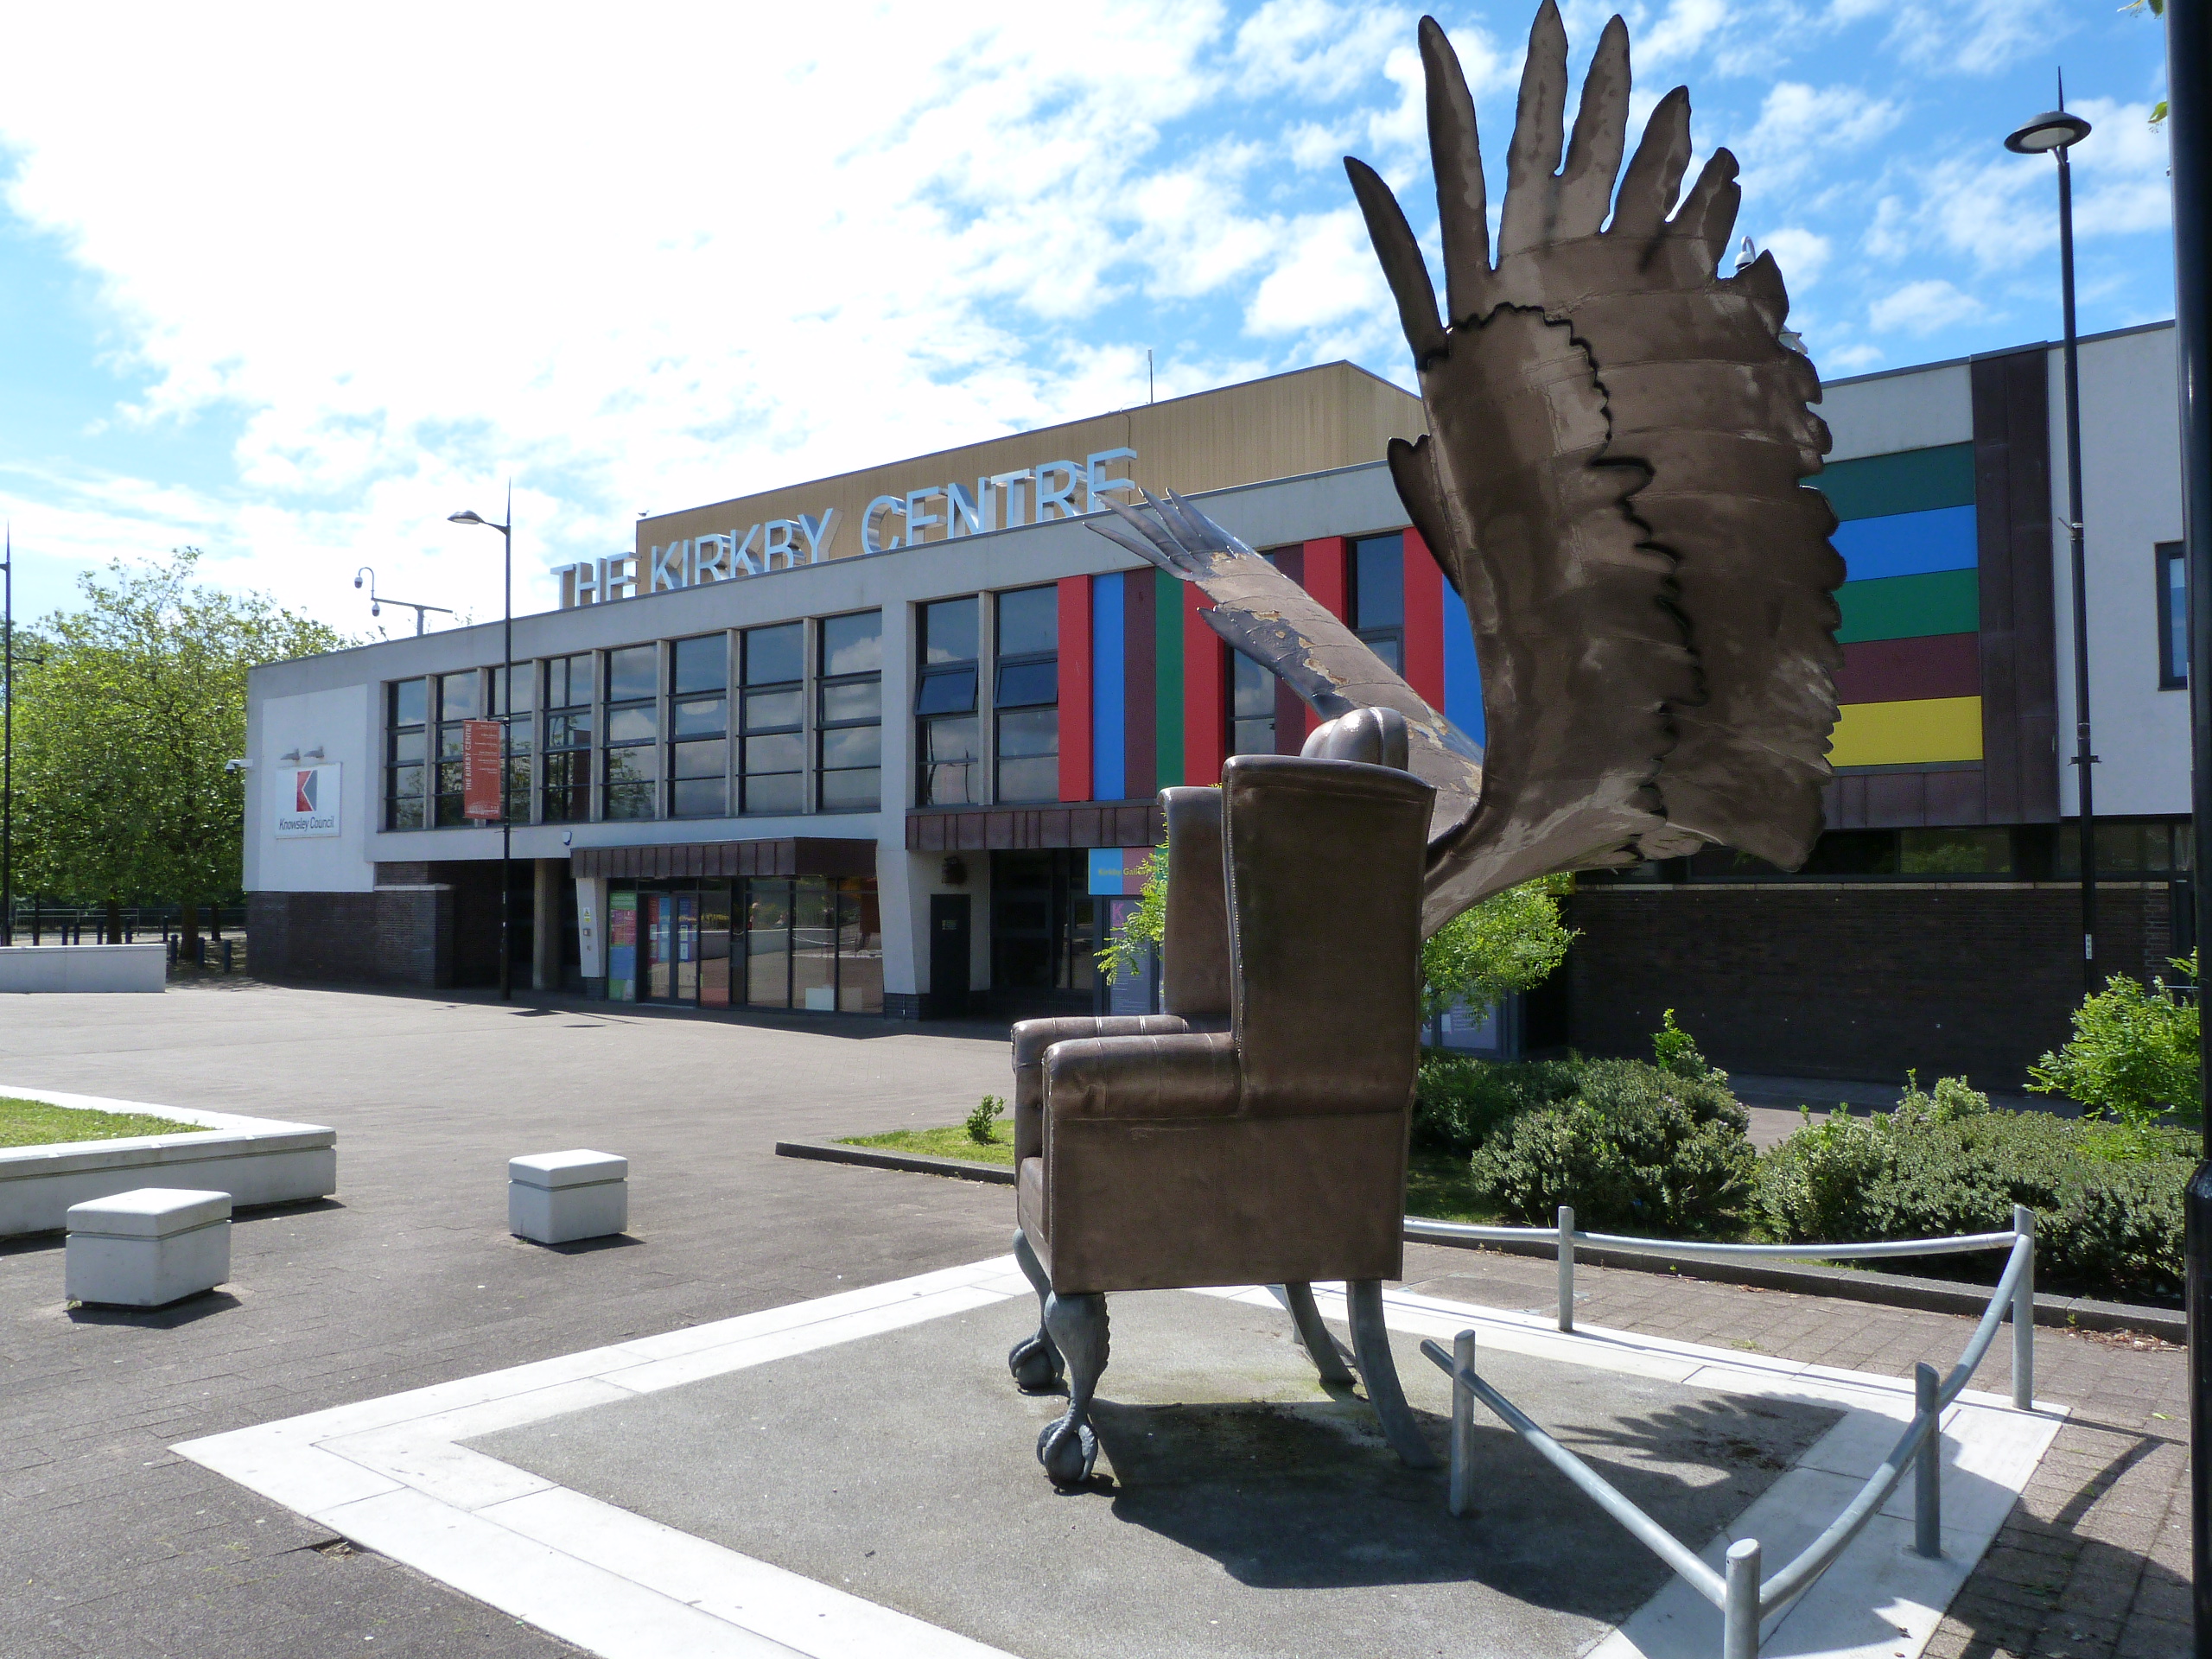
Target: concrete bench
{"x":146,"y":1248}
{"x":555,"y":1197}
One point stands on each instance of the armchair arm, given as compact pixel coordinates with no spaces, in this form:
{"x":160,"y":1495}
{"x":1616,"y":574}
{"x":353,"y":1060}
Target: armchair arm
{"x":1146,"y":1077}
{"x":1032,"y":1038}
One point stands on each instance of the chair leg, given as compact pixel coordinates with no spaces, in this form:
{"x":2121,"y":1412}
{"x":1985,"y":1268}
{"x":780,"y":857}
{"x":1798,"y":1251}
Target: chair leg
{"x":1312,"y":1335}
{"x":1370,"y":1346}
{"x":1034,"y":1361}
{"x":1069,"y":1447}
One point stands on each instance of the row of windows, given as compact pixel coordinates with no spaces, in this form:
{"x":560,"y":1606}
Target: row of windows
{"x":779,"y":720}
{"x":679,"y":729}
{"x":1377,"y":606}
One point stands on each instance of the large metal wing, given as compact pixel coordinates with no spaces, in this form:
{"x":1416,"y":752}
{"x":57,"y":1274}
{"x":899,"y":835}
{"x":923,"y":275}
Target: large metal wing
{"x":1700,"y":404}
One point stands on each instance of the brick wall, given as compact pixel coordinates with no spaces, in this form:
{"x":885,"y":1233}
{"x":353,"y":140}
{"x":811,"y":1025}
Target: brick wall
{"x":1860,"y":982}
{"x":402,"y":936}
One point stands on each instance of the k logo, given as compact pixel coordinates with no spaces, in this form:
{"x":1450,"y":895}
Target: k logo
{"x":304,"y":786}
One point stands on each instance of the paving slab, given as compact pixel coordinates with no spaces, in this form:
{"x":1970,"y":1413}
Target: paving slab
{"x":1241,"y":1509}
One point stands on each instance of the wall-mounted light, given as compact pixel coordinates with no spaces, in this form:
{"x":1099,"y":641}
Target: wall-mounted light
{"x":314,"y":754}
{"x":290,"y":757}
{"x":954,"y":871}
{"x":241,"y":764}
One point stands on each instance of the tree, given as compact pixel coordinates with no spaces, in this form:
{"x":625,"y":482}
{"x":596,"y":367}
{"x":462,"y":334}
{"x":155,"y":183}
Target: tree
{"x":1510,"y":942}
{"x":126,"y":712}
{"x":2134,"y":1052}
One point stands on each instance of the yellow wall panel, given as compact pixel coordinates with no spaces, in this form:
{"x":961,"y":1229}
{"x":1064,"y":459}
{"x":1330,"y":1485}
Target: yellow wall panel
{"x":1918,"y":732}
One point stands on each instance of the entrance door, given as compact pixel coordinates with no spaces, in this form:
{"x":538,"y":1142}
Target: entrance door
{"x":671,"y":925}
{"x":949,"y":954}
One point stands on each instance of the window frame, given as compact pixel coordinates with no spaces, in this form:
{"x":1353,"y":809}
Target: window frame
{"x":2170,"y":557}
{"x":648,"y":787}
{"x":745,"y":731}
{"x":568,"y":750}
{"x":672,"y":741}
{"x":823,"y":684}
{"x":394,"y":730}
{"x":927,"y":674}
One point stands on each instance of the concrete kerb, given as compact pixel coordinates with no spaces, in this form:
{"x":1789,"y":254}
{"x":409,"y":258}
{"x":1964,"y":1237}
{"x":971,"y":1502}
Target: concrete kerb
{"x":257,"y":1160}
{"x":1807,"y":1278}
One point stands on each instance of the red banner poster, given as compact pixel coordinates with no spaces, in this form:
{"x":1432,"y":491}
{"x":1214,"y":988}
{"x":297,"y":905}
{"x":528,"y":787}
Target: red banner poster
{"x":480,"y":769}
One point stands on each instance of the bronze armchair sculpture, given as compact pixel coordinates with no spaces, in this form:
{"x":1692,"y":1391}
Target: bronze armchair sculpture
{"x":1612,"y":481}
{"x":1273,"y":1151}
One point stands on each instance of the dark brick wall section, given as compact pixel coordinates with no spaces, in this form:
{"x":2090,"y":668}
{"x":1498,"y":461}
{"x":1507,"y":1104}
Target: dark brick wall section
{"x":390,"y":937}
{"x":1860,"y":982}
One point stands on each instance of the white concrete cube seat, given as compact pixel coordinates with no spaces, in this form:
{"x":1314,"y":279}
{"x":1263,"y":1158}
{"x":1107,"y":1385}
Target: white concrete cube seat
{"x":555,"y":1197}
{"x":146,"y":1248}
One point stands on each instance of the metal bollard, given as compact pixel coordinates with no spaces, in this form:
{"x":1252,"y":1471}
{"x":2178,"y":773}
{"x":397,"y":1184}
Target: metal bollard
{"x":226,"y":956}
{"x":1739,"y":1617}
{"x":1928,"y":1466}
{"x":2024,"y":1316}
{"x":1567,"y":1267}
{"x":1463,"y":1423}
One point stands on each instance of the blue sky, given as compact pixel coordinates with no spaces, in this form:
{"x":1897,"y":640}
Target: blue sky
{"x":294,"y":285}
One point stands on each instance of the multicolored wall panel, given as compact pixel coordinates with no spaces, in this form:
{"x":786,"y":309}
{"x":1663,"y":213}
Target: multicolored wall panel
{"x":1910,"y":688}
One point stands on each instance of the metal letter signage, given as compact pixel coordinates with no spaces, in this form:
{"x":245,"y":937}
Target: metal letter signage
{"x":306,"y":801}
{"x":933,"y":513}
{"x":480,"y":769}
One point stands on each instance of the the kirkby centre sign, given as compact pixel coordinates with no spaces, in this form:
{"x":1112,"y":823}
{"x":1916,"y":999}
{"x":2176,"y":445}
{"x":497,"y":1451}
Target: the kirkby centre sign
{"x":935,"y":512}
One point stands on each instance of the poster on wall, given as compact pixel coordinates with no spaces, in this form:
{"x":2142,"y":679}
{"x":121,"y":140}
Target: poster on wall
{"x":480,"y":769}
{"x":306,"y":802}
{"x":622,"y":947}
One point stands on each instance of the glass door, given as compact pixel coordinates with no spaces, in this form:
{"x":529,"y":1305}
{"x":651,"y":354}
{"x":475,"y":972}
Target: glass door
{"x":686,"y":961}
{"x":659,"y":927}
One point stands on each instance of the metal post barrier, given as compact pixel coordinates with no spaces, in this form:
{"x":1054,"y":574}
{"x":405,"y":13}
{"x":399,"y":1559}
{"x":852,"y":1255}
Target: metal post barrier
{"x":171,"y":944}
{"x":1928,"y":1465}
{"x":1462,"y":1424}
{"x":2024,"y":1316}
{"x":1739,"y":1615}
{"x":226,"y":956}
{"x":1567,"y":1267}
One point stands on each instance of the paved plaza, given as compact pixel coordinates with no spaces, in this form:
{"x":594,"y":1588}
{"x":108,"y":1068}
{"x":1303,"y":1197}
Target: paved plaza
{"x":116,"y":1546}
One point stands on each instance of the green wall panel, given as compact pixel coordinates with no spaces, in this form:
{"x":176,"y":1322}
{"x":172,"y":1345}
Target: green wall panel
{"x":1906,"y":607}
{"x":1912,"y":480}
{"x":1167,"y":669}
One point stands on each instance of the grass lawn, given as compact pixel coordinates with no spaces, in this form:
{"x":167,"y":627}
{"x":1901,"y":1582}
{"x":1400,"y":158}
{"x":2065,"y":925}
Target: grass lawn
{"x":951,"y":1142}
{"x":34,"y":1123}
{"x":1439,"y":1186}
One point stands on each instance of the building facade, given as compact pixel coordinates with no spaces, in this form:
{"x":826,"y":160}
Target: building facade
{"x":887,"y":743}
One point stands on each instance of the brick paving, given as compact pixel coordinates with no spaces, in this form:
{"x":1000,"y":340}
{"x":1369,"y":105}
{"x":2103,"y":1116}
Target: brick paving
{"x":113,"y":1547}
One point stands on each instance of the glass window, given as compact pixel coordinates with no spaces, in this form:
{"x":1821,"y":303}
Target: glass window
{"x":1026,"y":694}
{"x":848,"y":719}
{"x":698,"y":718}
{"x":522,"y":734}
{"x":568,"y":740}
{"x":1955,"y":852}
{"x":1251,"y":706}
{"x":407,"y":705}
{"x":947,"y":732}
{"x":461,"y":697}
{"x":773,"y":762}
{"x":633,"y":726}
{"x":1378,"y":596}
{"x":2173,"y":617}
{"x":810,"y":942}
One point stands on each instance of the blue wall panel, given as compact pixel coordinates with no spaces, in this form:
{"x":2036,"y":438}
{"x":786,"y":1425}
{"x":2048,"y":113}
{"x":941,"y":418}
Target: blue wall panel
{"x":1108,"y":719}
{"x":1463,"y":680}
{"x":1908,"y":543}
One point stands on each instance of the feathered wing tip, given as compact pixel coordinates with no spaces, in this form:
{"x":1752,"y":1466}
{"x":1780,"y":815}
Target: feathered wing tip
{"x":1718,"y":719}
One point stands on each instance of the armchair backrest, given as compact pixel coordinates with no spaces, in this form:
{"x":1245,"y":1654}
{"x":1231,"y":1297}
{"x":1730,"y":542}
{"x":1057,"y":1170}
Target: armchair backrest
{"x":1325,"y":875}
{"x":1194,"y":942}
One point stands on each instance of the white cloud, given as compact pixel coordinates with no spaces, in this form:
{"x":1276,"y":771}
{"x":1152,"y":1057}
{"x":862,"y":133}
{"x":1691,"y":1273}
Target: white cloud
{"x":1802,"y":254}
{"x":1850,"y":358}
{"x":1921,"y":307}
{"x":1315,"y":49}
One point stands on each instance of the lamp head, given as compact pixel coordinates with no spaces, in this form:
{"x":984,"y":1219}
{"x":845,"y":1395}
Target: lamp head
{"x":2053,"y":129}
{"x":463,"y":518}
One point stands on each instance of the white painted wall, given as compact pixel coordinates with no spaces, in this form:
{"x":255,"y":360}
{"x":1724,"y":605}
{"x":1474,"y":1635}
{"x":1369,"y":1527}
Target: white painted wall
{"x":1912,"y":408}
{"x":341,"y":722}
{"x":2130,"y":470}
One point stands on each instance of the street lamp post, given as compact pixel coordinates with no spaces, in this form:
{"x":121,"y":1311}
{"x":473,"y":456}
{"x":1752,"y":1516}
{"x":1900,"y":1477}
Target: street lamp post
{"x":2058,"y":131}
{"x":506,"y":738}
{"x":2188,"y":125}
{"x":8,"y":745}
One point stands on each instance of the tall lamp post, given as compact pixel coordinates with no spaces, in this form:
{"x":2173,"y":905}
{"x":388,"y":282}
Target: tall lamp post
{"x":2189,"y":79}
{"x":8,"y":747}
{"x":2058,"y":131}
{"x":507,"y":739}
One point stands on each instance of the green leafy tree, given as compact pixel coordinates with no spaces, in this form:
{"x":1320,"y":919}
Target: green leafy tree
{"x":126,"y":711}
{"x":2134,"y":1052}
{"x":1510,"y":942}
{"x":1141,"y":932}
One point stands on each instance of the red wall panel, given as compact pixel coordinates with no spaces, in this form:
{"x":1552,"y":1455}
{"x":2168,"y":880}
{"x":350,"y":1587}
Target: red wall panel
{"x":1424,"y":620}
{"x":1205,"y":697}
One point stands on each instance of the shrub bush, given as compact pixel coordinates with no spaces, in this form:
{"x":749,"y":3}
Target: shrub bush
{"x":1628,"y":1145}
{"x":2108,"y":1200}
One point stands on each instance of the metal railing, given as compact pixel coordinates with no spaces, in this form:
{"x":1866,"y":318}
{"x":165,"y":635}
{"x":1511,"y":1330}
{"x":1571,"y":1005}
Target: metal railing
{"x":1745,"y":1602}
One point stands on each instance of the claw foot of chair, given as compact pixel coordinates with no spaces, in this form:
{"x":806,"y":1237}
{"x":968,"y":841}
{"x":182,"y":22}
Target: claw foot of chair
{"x":1068,"y":1449}
{"x":1035,"y":1364}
